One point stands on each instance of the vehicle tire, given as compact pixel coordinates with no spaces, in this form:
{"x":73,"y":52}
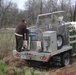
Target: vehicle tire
{"x":65,"y":59}
{"x":60,"y":41}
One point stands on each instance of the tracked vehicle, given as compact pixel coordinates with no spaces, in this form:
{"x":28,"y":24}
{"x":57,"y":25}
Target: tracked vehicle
{"x":51,"y":40}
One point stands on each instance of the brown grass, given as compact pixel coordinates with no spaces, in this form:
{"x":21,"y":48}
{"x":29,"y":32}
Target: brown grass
{"x":7,"y":31}
{"x":68,"y":70}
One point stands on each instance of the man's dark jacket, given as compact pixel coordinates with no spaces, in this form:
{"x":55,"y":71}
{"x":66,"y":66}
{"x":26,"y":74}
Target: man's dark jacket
{"x":21,"y":29}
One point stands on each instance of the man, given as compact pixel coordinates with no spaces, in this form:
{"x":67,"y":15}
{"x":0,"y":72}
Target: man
{"x":20,"y":34}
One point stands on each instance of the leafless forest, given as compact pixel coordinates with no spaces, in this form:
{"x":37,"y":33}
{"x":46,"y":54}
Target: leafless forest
{"x":10,"y":14}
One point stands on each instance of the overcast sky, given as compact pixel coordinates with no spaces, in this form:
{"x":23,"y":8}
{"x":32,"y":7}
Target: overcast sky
{"x":20,"y":3}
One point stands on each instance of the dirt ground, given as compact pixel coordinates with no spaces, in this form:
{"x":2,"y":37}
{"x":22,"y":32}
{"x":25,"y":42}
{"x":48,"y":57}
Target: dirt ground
{"x":67,"y":70}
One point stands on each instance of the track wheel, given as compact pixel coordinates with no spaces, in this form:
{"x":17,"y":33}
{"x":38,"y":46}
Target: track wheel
{"x":65,"y":59}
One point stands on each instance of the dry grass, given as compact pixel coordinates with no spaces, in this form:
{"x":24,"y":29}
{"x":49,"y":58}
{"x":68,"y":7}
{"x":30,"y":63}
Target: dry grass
{"x":7,"y":42}
{"x":11,"y":61}
{"x":7,"y":31}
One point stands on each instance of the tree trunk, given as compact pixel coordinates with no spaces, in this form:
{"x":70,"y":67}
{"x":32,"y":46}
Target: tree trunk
{"x":41,"y":4}
{"x":74,"y":15}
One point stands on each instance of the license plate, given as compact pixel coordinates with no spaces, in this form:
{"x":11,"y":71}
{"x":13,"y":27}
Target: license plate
{"x":23,"y":56}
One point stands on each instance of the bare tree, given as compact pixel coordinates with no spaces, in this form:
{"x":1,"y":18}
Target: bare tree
{"x":4,"y":15}
{"x":0,"y":11}
{"x":41,"y":6}
{"x":10,"y":15}
{"x":74,"y":15}
{"x":70,"y":11}
{"x":32,"y":11}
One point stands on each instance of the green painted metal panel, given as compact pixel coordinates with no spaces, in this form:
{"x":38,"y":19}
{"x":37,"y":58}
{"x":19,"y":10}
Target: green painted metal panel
{"x":72,"y":33}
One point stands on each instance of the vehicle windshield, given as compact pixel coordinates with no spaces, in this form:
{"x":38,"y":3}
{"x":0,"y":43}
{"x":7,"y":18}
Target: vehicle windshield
{"x":49,"y":18}
{"x":44,"y":19}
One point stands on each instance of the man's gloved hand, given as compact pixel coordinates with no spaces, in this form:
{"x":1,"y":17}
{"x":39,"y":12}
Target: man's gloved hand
{"x":25,"y":42}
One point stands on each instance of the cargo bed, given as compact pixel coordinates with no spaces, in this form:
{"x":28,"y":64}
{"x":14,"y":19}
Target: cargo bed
{"x":39,"y":56}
